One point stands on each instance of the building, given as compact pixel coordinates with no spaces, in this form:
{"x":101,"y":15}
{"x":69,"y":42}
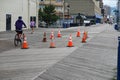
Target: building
{"x":90,"y":8}
{"x":107,"y":13}
{"x":69,"y":9}
{"x":118,"y":14}
{"x":11,"y":9}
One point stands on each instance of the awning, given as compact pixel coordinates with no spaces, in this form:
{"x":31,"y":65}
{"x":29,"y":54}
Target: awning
{"x":98,"y":16}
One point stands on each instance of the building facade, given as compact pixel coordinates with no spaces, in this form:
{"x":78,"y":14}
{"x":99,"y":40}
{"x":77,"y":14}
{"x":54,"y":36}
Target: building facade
{"x":69,"y":9}
{"x":90,"y":8}
{"x":11,"y":9}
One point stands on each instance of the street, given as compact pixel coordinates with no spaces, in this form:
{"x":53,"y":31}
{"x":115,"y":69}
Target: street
{"x":93,"y":60}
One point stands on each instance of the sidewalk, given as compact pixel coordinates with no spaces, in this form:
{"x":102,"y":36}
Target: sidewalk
{"x":91,"y":59}
{"x":95,"y":60}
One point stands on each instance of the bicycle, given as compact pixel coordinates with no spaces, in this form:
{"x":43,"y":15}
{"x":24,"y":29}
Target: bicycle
{"x":18,"y":39}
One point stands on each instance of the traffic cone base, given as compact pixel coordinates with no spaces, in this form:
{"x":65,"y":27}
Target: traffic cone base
{"x":83,"y":40}
{"x":59,"y":35}
{"x":70,"y":44}
{"x":44,"y":40}
{"x":52,"y":45}
{"x":24,"y":45}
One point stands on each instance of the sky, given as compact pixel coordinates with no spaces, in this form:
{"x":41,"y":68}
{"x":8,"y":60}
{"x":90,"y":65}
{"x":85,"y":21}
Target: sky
{"x":111,"y":3}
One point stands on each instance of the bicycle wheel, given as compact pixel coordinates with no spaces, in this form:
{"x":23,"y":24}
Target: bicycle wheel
{"x":17,"y":41}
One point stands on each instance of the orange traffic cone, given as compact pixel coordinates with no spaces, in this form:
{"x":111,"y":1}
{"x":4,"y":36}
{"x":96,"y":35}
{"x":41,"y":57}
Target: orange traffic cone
{"x":59,"y":34}
{"x":85,"y":34}
{"x":44,"y":37}
{"x":78,"y":33}
{"x":24,"y":44}
{"x":52,"y":35}
{"x":70,"y":43}
{"x":84,"y":39}
{"x":52,"y":44}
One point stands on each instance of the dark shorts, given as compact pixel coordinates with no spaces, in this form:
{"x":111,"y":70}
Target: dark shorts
{"x":19,"y":31}
{"x":32,"y":26}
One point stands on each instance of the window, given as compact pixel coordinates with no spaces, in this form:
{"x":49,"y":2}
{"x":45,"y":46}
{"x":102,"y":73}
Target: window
{"x":58,"y":0}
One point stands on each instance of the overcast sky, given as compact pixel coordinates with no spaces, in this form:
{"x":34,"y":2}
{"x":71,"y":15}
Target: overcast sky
{"x":111,"y":3}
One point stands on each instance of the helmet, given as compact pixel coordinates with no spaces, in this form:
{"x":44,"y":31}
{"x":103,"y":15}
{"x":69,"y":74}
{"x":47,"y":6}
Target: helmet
{"x":20,"y":17}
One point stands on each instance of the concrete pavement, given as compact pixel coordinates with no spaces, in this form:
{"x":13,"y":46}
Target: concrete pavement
{"x":94,"y":60}
{"x":21,"y":64}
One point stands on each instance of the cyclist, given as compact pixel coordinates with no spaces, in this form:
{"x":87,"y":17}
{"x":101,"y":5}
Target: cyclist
{"x":18,"y":26}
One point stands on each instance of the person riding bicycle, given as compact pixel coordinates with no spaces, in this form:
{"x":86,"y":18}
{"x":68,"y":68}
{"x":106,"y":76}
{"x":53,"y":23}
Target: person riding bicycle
{"x":19,"y":25}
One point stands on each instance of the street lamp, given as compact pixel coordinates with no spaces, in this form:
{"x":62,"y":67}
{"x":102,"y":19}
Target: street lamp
{"x":68,"y":8}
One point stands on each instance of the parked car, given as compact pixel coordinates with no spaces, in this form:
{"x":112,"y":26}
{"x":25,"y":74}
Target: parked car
{"x":87,"y":22}
{"x":42,"y":24}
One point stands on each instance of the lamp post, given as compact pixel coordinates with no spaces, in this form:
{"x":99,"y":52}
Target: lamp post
{"x":68,"y":8}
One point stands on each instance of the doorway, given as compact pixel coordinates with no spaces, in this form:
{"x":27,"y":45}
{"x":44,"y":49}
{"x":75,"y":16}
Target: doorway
{"x":8,"y":22}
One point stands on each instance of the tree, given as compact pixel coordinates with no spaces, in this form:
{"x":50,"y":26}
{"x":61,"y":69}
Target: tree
{"x":40,"y":14}
{"x":48,"y":14}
